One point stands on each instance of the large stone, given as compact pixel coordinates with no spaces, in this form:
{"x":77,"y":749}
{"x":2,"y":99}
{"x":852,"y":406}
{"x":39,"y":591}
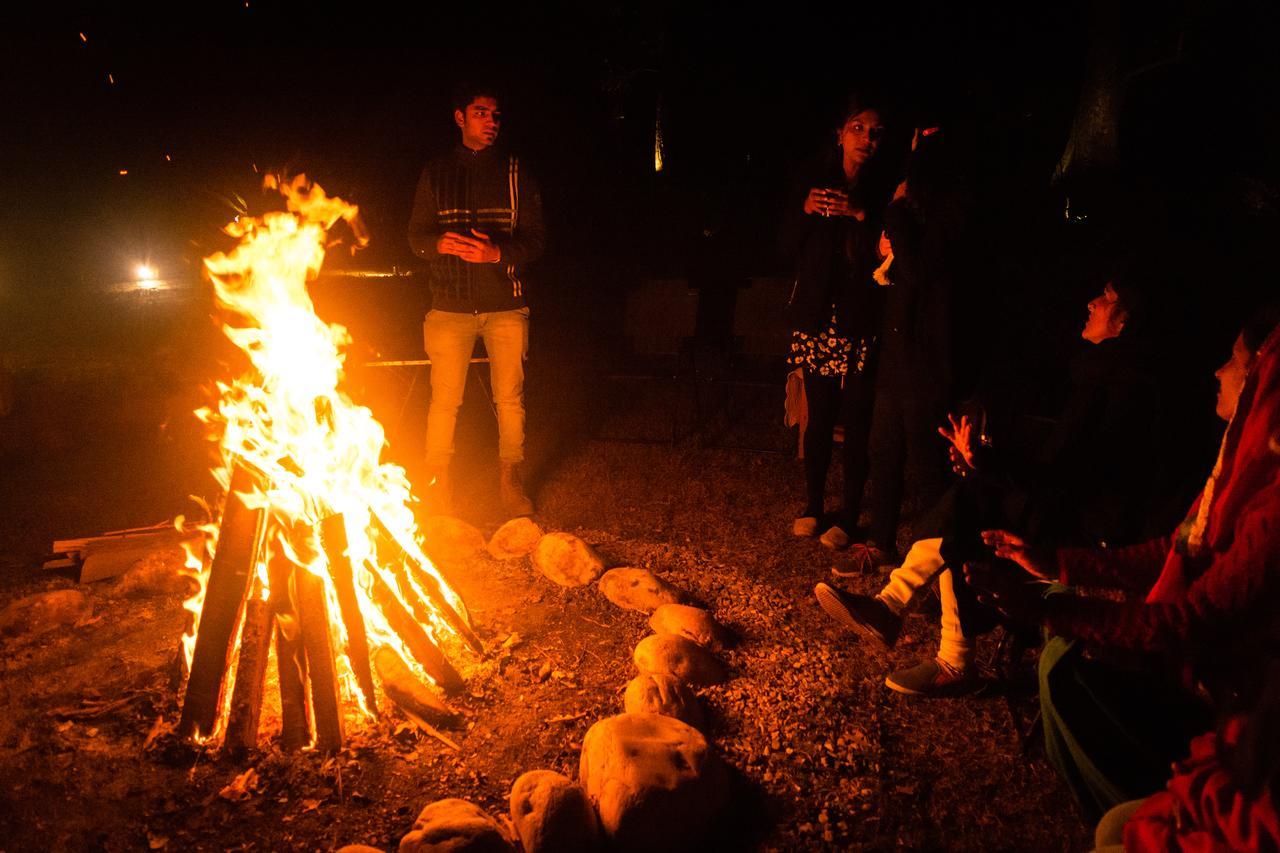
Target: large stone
{"x":552,"y":813}
{"x":44,"y":611}
{"x":455,"y":826}
{"x":567,"y":560}
{"x":667,"y":654}
{"x":654,"y":781}
{"x":451,"y":540}
{"x":654,"y":693}
{"x":692,"y":623}
{"x":638,"y":589}
{"x":514,"y":539}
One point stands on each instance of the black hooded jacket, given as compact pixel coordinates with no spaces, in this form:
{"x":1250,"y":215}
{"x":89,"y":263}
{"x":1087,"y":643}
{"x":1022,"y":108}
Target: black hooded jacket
{"x":833,"y":258}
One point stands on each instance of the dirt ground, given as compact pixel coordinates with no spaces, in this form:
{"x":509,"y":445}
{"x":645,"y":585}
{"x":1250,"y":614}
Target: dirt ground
{"x":824,"y":756}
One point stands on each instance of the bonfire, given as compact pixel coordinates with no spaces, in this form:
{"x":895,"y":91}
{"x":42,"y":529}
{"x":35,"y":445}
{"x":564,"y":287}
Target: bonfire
{"x":312,"y":575}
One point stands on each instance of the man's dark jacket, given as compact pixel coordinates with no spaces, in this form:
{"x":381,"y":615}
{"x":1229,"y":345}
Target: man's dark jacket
{"x":488,"y":191}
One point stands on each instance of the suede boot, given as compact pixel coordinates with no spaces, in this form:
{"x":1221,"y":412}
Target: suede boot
{"x":511,"y":490}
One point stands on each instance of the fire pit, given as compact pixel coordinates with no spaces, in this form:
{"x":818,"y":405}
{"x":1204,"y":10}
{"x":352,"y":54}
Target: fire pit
{"x":314,"y":558}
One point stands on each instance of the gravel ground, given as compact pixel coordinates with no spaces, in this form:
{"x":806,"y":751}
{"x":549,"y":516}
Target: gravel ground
{"x":824,"y":756}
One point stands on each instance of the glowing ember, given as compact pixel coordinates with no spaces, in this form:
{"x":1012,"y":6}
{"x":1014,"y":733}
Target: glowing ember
{"x":314,"y":455}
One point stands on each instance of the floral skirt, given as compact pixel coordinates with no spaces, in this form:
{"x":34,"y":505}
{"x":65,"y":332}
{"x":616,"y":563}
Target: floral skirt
{"x":828,"y":353}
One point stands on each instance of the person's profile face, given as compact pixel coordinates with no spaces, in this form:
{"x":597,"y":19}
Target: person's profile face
{"x":1231,"y":378}
{"x":479,"y":122}
{"x":860,"y":136}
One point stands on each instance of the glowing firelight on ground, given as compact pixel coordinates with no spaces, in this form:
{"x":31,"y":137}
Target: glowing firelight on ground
{"x":316,"y":453}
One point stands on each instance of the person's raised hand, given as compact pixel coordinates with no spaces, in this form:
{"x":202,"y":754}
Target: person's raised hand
{"x":1010,"y":546}
{"x":961,"y":437}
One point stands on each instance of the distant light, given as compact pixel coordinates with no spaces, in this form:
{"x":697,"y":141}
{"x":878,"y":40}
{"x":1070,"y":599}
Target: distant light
{"x":111,"y":79}
{"x":147,"y":278}
{"x":83,"y":38}
{"x":124,"y":171}
{"x":168,"y":159}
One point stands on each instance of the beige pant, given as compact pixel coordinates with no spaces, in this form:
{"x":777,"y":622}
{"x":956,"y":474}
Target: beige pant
{"x":922,"y":563}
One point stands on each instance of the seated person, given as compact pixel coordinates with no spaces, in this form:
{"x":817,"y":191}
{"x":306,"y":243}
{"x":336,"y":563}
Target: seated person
{"x":1090,"y":482}
{"x":1207,"y":592}
{"x":1226,"y":794}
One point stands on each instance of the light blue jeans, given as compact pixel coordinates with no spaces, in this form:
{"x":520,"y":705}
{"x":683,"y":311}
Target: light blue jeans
{"x":449,"y":338}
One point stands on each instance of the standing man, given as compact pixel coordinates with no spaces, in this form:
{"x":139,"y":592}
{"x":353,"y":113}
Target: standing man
{"x":477,"y":220}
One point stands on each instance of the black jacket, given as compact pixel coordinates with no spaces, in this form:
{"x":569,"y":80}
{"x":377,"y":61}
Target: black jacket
{"x":489,"y":191}
{"x":833,"y":259}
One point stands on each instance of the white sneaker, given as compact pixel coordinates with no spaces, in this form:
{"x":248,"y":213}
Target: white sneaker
{"x":835,"y":538}
{"x":806,"y":526}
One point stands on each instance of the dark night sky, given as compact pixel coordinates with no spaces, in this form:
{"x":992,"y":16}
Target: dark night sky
{"x":356,"y":96}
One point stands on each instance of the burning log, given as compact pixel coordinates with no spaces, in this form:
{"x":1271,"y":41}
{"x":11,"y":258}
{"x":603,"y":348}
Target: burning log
{"x":229,"y":579}
{"x":410,"y":694}
{"x":291,"y":660}
{"x":291,"y":666}
{"x":333,"y":535}
{"x":251,"y":674}
{"x":313,"y":614}
{"x":460,"y":622}
{"x":415,"y":637}
{"x":295,"y":434}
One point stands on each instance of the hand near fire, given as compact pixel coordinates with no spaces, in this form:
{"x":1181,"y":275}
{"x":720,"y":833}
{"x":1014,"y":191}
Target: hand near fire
{"x":1039,"y":562}
{"x":961,"y":437}
{"x":478,"y":249}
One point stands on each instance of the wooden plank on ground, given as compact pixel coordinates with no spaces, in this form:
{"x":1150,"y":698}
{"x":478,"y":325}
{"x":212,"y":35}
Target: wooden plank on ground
{"x":108,"y":558}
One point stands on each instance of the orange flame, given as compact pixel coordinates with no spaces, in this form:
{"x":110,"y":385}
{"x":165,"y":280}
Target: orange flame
{"x":287,"y":417}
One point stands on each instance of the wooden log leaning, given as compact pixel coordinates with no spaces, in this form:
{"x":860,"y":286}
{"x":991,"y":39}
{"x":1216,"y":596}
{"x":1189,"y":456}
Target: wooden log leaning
{"x":313,"y":615}
{"x":291,"y":659}
{"x":460,"y":622}
{"x":409,"y":693}
{"x":251,"y":674}
{"x":333,"y":536}
{"x":291,"y":667}
{"x":420,"y":645}
{"x":229,"y":578}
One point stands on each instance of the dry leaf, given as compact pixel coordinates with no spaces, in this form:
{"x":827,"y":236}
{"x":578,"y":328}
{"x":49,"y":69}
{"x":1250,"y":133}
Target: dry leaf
{"x":310,"y":805}
{"x":241,"y":788}
{"x":158,"y":729}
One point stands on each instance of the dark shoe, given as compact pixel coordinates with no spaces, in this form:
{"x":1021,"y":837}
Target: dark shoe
{"x":863,"y":559}
{"x":933,"y":678}
{"x":870,"y":617}
{"x":514,"y":501}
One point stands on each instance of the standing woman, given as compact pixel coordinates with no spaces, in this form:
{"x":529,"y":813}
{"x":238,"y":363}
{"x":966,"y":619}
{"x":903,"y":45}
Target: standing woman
{"x":830,"y":233}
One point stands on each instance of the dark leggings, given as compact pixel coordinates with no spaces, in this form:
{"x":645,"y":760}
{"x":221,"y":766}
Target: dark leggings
{"x":850,"y":407}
